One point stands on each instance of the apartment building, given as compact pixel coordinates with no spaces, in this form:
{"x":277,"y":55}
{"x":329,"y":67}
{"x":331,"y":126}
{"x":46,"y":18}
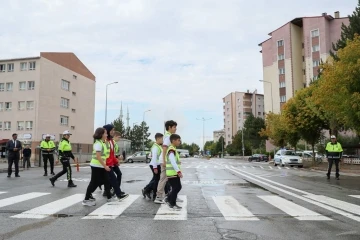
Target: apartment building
{"x":217,"y":134}
{"x":292,"y":55}
{"x":237,"y":107}
{"x":47,"y":94}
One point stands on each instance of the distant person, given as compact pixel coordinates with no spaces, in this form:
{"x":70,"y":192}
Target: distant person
{"x":26,"y":156}
{"x":124,"y":155}
{"x":14,"y":148}
{"x":333,"y":154}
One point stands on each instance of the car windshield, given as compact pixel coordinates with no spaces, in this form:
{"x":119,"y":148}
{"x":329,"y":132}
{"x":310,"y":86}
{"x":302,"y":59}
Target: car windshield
{"x":288,"y":153}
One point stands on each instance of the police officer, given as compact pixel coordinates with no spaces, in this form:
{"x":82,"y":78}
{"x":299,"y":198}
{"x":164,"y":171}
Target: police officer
{"x":47,"y":148}
{"x":65,"y":154}
{"x":333,"y":154}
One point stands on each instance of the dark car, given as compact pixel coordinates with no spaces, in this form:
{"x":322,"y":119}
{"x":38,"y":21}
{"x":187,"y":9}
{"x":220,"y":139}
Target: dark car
{"x":258,"y":158}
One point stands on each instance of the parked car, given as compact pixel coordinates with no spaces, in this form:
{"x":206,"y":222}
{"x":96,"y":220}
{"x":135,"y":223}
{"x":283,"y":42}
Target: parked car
{"x":287,"y":157}
{"x":139,"y":157}
{"x":258,"y":158}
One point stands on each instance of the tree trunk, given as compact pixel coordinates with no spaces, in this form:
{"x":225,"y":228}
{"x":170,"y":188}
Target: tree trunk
{"x":313,"y":150}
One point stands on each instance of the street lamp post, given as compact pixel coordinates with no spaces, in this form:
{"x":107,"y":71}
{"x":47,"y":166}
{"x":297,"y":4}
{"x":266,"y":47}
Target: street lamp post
{"x":272,"y":103}
{"x":242,"y":142}
{"x":222,"y":145}
{"x":106,"y":100}
{"x":203,"y":119}
{"x":143,"y":123}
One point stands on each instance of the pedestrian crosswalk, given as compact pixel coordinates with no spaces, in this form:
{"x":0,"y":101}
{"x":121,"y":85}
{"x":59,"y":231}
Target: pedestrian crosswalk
{"x":226,"y":207}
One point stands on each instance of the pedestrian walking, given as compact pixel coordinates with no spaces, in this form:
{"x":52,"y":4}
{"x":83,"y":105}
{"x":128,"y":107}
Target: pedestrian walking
{"x":26,"y":157}
{"x":119,"y":157}
{"x":47,"y":149}
{"x":334,"y":153}
{"x":14,"y":148}
{"x":173,"y":172}
{"x":124,"y":155}
{"x":65,"y":154}
{"x":155,"y":167}
{"x":99,"y":169}
{"x":170,"y":127}
{"x":112,"y":162}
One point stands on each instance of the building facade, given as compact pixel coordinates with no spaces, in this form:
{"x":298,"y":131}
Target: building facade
{"x":237,"y":107}
{"x":47,"y":94}
{"x":291,"y":57}
{"x":217,"y":134}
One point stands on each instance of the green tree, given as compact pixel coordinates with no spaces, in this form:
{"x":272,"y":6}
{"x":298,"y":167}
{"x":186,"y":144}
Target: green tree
{"x":347,"y":32}
{"x":252,"y":129}
{"x":194,"y":149}
{"x":236,"y":146}
{"x":275,"y":129}
{"x":119,"y":126}
{"x":137,"y":135}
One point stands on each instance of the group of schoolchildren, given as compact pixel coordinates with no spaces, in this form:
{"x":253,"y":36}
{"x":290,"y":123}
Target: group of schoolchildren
{"x":165,"y":166}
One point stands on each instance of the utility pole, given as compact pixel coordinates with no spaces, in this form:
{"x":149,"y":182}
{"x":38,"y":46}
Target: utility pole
{"x":106,"y":100}
{"x":203,"y":119}
{"x":242,"y":142}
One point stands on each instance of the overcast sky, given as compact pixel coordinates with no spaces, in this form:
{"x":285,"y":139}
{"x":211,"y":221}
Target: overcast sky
{"x":177,"y":58}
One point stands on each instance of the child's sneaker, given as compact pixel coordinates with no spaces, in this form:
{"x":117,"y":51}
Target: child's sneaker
{"x":176,"y":207}
{"x":91,"y":198}
{"x":158,"y":200}
{"x":88,"y":203}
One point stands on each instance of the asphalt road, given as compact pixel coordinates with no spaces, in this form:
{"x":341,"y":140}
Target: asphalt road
{"x":224,"y":199}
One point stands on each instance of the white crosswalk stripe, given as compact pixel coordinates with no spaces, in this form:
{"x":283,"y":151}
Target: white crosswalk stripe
{"x":20,"y":198}
{"x":349,"y":207}
{"x":2,"y":192}
{"x":232,"y":210}
{"x":113,"y":209}
{"x":166,"y":213}
{"x":51,"y":208}
{"x":293,"y":209}
{"x":355,"y":196}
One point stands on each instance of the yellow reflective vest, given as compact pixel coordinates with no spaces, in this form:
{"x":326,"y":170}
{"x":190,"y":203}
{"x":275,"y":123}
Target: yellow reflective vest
{"x":170,"y":171}
{"x":46,"y":145}
{"x":333,"y":151}
{"x":104,"y":152}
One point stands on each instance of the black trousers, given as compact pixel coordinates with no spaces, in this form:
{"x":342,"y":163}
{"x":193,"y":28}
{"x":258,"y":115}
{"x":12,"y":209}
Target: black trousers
{"x":175,"y":184}
{"x":49,"y":157}
{"x":99,"y":176}
{"x":26,"y":161}
{"x":153,"y":184}
{"x":13,"y":158}
{"x":118,"y":173}
{"x":331,"y":161}
{"x":114,"y":182}
{"x":66,"y":169}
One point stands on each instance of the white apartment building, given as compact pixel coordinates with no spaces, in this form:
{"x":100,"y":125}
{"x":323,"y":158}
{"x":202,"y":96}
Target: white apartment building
{"x":237,"y":107}
{"x":47,"y":94}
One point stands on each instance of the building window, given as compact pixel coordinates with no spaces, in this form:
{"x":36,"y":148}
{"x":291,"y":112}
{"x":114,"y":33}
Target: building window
{"x":21,"y":105}
{"x":7,"y":126}
{"x":72,"y":127}
{"x":316,"y":48}
{"x":281,"y":57}
{"x":64,"y":120}
{"x":32,"y":65}
{"x":74,"y":93}
{"x":303,"y":58}
{"x":2,"y":87}
{"x":29,"y":125}
{"x":259,"y":113}
{"x":8,"y":106}
{"x":316,"y":63}
{"x":29,"y":105}
{"x":9,"y":87}
{"x":281,"y":70}
{"x":227,"y":109}
{"x":1,"y":106}
{"x":64,"y":103}
{"x":73,"y":110}
{"x":74,"y":77}
{"x":239,"y":115}
{"x":283,"y":99}
{"x":23,"y":66}
{"x":65,"y":85}
{"x":22,"y":86}
{"x":280,"y":43}
{"x":10,"y":67}
{"x":304,"y":71}
{"x":20,"y":125}
{"x":0,"y":125}
{"x":31,"y":85}
{"x":316,"y":77}
{"x":282,"y":84}
{"x":2,"y":67}
{"x":315,"y":33}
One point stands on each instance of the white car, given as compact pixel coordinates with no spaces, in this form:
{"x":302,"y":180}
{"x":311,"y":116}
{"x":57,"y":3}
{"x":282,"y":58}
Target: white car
{"x":287,"y":157}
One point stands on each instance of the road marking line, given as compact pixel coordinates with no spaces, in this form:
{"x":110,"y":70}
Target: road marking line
{"x":293,"y":209}
{"x":2,"y":192}
{"x":287,"y":168}
{"x":244,"y":166}
{"x":349,"y":207}
{"x":20,"y":198}
{"x":261,"y":167}
{"x":256,"y":178}
{"x":355,"y":196}
{"x":252,"y":167}
{"x":51,"y":208}
{"x":279,"y":167}
{"x":270,"y":167}
{"x":166,"y":213}
{"x":232,"y":210}
{"x":215,"y":166}
{"x":112,"y":210}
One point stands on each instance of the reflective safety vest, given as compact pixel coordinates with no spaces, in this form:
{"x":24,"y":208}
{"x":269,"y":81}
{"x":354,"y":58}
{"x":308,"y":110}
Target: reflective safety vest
{"x":170,"y":171}
{"x":65,"y":149}
{"x":45,"y":145}
{"x":159,"y":150}
{"x":334,"y":150}
{"x":104,"y":151}
{"x":116,"y":149}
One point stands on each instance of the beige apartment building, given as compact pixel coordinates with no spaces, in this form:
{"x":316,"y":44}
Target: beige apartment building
{"x":217,"y":134}
{"x":292,"y":55}
{"x":47,"y":94}
{"x":237,"y":107}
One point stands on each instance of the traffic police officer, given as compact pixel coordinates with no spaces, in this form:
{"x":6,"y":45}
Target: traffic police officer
{"x":47,"y":148}
{"x":333,"y":154}
{"x":65,"y":154}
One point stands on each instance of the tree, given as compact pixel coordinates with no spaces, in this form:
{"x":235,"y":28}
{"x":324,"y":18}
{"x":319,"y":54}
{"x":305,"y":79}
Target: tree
{"x":275,"y":130}
{"x":193,"y":148}
{"x":137,"y":135}
{"x":347,"y":32}
{"x":252,"y":129}
{"x":236,"y":146}
{"x":119,"y":126}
